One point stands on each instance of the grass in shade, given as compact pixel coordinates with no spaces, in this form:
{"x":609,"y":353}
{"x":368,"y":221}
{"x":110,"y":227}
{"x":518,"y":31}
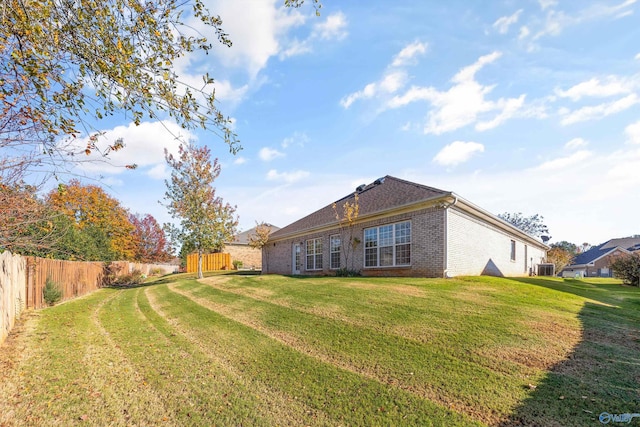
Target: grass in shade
{"x":275,"y":350}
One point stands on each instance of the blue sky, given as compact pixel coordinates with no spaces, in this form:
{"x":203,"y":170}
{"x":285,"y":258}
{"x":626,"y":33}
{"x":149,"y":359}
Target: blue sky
{"x":517,"y":106}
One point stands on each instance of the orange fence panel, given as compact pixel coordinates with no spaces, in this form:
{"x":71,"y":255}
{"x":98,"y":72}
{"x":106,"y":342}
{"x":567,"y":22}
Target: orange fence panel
{"x":210,"y":262}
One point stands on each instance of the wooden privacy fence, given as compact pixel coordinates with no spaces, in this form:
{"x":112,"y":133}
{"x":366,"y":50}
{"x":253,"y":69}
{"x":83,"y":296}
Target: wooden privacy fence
{"x":12,"y":291}
{"x":72,"y":277}
{"x":210,"y":262}
{"x":22,"y":280}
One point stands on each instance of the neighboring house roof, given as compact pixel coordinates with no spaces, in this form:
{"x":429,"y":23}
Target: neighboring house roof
{"x":390,"y":194}
{"x":625,"y":244}
{"x":243,"y":238}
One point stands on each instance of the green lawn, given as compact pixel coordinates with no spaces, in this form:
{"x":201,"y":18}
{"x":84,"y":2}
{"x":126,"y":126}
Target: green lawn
{"x":273,"y":350}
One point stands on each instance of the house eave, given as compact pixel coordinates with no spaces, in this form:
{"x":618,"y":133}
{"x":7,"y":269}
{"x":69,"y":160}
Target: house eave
{"x":477,"y":211}
{"x":442,"y":200}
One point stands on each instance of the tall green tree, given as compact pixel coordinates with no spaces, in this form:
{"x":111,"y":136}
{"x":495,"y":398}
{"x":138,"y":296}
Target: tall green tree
{"x":572,"y":248}
{"x":533,"y":225}
{"x":206,"y":221}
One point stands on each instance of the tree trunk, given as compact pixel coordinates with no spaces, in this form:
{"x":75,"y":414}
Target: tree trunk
{"x":200,"y":275}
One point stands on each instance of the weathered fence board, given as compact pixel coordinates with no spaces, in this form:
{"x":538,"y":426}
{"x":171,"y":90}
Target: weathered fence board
{"x":210,"y":262}
{"x":74,"y":278}
{"x":12,"y":291}
{"x":22,"y":280}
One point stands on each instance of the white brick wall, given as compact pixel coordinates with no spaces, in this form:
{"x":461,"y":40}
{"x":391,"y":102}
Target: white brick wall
{"x":475,"y":247}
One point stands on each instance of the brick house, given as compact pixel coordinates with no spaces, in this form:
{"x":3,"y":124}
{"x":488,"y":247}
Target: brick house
{"x":596,"y":261}
{"x":240,"y":250}
{"x":404,"y":229}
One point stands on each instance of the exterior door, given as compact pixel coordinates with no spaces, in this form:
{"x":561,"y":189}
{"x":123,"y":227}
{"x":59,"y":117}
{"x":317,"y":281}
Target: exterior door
{"x":297,"y":258}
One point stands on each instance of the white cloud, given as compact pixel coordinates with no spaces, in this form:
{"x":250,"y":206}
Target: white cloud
{"x":296,"y":47}
{"x":611,"y":86}
{"x":240,"y":160}
{"x":599,"y":111}
{"x":333,"y":28}
{"x":546,"y":4}
{"x":556,"y":21}
{"x":503,"y":23}
{"x":457,"y":152}
{"x":468,"y":73}
{"x":575,"y":143}
{"x":393,"y":79}
{"x":298,"y":138}
{"x":389,"y":84}
{"x":144,"y":146}
{"x":267,"y":154}
{"x":257,"y":30}
{"x":408,"y":53}
{"x":287,"y":177}
{"x":508,"y":108}
{"x":633,"y":133}
{"x":159,"y":171}
{"x":637,"y":56}
{"x":564,"y":162}
{"x":463,"y":103}
{"x":524,"y":32}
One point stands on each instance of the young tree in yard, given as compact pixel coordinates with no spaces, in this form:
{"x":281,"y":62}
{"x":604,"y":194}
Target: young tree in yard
{"x":532,"y":225}
{"x":260,"y":237}
{"x":347,"y":219}
{"x":88,"y":206}
{"x":560,"y":257}
{"x":151,"y":242}
{"x":206,"y":222}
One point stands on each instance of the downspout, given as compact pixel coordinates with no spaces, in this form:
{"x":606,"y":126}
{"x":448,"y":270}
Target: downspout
{"x":445,"y":267}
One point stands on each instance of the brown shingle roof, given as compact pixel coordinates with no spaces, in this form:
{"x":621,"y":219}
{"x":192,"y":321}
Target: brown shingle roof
{"x":381,"y":195}
{"x":243,"y":238}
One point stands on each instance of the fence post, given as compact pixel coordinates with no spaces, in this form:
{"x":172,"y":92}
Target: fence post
{"x":30,"y":285}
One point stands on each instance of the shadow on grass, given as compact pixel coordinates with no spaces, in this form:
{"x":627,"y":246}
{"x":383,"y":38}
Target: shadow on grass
{"x":602,"y":374}
{"x":170,"y":278}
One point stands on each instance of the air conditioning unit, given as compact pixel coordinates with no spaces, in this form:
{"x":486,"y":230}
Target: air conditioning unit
{"x":546,"y":269}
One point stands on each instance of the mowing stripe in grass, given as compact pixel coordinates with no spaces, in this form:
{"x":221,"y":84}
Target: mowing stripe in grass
{"x":74,"y":372}
{"x":425,"y":370}
{"x":277,"y":405}
{"x":195,"y":390}
{"x":348,"y":398}
{"x":478,"y":328}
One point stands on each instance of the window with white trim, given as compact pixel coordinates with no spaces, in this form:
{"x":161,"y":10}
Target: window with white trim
{"x":388,"y":245}
{"x":513,"y":250}
{"x":314,"y":254}
{"x":335,"y":246}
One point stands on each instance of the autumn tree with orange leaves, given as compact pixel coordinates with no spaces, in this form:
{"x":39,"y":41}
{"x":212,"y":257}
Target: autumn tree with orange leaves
{"x":89,"y":206}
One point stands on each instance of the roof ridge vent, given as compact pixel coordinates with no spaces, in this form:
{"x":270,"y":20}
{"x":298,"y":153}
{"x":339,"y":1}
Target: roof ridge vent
{"x":378,"y":181}
{"x":360,"y":188}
